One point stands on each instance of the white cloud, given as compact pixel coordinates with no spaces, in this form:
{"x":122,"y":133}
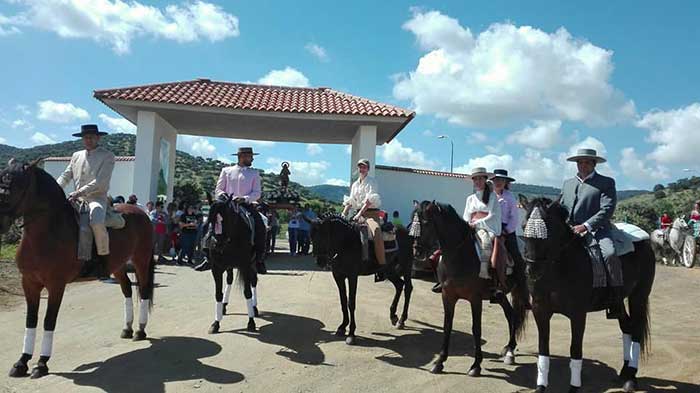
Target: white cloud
{"x":3,"y":140}
{"x":59,"y":112}
{"x":118,"y":124}
{"x":318,"y":51}
{"x":338,"y":182}
{"x":635,"y":168}
{"x":428,"y":133}
{"x":675,"y":133}
{"x":7,"y":26}
{"x":196,"y":145}
{"x":509,"y":74}
{"x":42,"y":139}
{"x":588,"y":143}
{"x":23,"y":109}
{"x":535,"y":168}
{"x":313,"y":149}
{"x":348,"y":149}
{"x":21,"y":123}
{"x":286,"y":77}
{"x":541,"y":135}
{"x":477,"y":137}
{"x":225,"y":160}
{"x":395,"y":153}
{"x":489,"y":161}
{"x":117,"y":23}
{"x":307,"y":173}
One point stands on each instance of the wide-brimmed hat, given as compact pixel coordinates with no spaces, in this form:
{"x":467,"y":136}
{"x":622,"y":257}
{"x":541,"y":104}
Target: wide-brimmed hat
{"x":588,"y":154}
{"x":501,"y":174}
{"x":87,"y":129}
{"x":480,"y":171}
{"x":363,"y":161}
{"x":245,"y":150}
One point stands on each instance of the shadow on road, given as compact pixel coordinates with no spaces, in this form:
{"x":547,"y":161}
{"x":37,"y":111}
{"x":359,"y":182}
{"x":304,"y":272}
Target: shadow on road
{"x":596,"y":377}
{"x":299,"y":336}
{"x":168,"y":359}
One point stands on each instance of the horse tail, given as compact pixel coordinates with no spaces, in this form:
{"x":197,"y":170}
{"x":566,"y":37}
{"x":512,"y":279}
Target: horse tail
{"x":520,"y":297}
{"x":640,"y":297}
{"x":150,"y":288}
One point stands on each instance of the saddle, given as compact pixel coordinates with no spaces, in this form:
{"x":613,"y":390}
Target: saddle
{"x":391,"y":244}
{"x":113,"y":219}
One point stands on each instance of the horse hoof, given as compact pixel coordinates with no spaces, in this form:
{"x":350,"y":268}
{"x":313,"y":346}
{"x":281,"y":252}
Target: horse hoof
{"x":475,"y":372}
{"x":251,"y":326}
{"x":350,"y":340}
{"x":394,"y":319}
{"x":140,"y":335}
{"x":214,"y":328}
{"x":401,"y":325}
{"x":573,"y":389}
{"x":340,"y":332}
{"x":630,"y":386}
{"x":127,"y":333}
{"x":509,"y":360}
{"x":256,"y":312}
{"x":540,"y":389}
{"x":19,"y":370}
{"x":39,"y":371}
{"x":437,"y":368}
{"x":223,"y":311}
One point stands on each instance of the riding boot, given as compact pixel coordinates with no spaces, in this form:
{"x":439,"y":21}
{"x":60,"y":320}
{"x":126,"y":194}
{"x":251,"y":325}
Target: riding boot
{"x":437,"y":288}
{"x":260,"y":265}
{"x":617,"y":306}
{"x":205,"y":265}
{"x":95,"y":268}
{"x":380,"y":275}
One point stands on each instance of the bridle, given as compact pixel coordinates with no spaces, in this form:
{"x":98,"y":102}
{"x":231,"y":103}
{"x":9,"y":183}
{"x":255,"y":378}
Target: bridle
{"x":5,"y":187}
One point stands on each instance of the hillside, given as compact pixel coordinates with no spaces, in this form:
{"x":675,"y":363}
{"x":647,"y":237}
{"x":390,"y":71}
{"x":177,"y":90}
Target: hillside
{"x":644,"y":210}
{"x":330,"y":192}
{"x":189,"y":170}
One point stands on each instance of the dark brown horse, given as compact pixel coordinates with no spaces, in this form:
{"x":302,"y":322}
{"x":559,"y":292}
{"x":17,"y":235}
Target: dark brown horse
{"x":560,"y":277}
{"x":458,"y":271}
{"x":47,"y":254}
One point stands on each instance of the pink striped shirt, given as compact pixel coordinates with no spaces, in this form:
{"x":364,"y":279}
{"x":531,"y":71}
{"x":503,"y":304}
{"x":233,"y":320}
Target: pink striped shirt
{"x":239,"y":181}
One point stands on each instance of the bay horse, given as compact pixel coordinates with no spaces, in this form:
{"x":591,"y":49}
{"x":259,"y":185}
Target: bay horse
{"x":458,"y":272}
{"x":337,"y":242}
{"x":47,"y":255}
{"x":230,"y":246}
{"x":560,"y":278}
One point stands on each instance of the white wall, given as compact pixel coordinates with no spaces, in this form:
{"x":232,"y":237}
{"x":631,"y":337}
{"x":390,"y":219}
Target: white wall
{"x":122,"y":182}
{"x":398,"y":189}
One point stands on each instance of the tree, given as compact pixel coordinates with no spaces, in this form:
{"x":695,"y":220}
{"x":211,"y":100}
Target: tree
{"x":658,"y":187}
{"x":188,"y":191}
{"x":659,"y":194}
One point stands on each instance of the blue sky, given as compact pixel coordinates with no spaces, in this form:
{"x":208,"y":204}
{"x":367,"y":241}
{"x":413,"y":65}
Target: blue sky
{"x":513,"y":86}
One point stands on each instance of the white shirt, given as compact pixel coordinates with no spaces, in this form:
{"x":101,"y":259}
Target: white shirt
{"x":91,"y":172}
{"x":363,"y":191}
{"x":492,"y":222}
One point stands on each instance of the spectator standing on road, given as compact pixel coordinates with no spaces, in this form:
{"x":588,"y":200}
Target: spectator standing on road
{"x":160,"y":221}
{"x":292,"y":229}
{"x":309,"y":215}
{"x":188,"y":235}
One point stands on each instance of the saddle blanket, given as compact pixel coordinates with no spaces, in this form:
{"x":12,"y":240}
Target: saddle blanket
{"x":624,"y":236}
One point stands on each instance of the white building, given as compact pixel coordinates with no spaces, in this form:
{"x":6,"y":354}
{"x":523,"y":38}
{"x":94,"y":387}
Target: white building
{"x":122,"y":182}
{"x":400,"y":186}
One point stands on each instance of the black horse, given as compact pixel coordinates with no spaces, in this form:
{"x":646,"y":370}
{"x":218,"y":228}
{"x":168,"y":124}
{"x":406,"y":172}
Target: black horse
{"x":458,"y":271}
{"x":337,"y":242}
{"x":230,"y":247}
{"x":561,"y":281}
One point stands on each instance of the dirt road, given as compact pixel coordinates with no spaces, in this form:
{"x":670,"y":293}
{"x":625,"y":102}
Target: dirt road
{"x":295,"y":350}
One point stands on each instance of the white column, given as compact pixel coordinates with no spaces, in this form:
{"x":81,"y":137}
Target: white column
{"x":364,"y":145}
{"x":150,"y":130}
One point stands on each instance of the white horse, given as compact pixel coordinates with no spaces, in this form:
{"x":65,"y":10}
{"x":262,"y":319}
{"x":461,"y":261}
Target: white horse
{"x":676,"y":245}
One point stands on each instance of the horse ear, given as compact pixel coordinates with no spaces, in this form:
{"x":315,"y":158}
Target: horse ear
{"x":558,"y":200}
{"x":523,"y":200}
{"x":416,"y":203}
{"x":11,"y":161}
{"x":33,"y":164}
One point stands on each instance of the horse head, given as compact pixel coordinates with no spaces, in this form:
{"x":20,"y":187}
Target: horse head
{"x":228,"y":226}
{"x":17,"y":181}
{"x":545,"y":231}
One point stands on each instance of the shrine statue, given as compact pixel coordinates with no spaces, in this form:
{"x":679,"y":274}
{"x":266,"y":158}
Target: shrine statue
{"x":284,"y":175}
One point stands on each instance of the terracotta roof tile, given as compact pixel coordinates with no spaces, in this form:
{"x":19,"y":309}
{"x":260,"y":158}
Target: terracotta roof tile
{"x":117,"y":158}
{"x":206,"y":93}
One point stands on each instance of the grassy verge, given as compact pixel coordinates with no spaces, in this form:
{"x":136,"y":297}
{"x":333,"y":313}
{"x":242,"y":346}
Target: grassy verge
{"x":7,"y":252}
